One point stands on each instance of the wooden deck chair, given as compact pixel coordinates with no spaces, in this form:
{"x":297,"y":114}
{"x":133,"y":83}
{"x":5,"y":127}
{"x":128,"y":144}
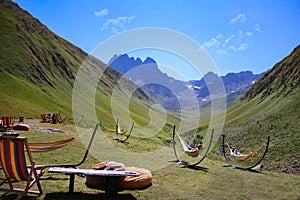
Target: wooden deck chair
{"x":13,"y":160}
{"x":7,"y":122}
{"x":18,"y":172}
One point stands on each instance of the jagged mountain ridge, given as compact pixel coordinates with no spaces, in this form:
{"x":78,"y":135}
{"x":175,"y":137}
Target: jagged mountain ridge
{"x":146,"y":74}
{"x":236,"y":84}
{"x":233,"y":82}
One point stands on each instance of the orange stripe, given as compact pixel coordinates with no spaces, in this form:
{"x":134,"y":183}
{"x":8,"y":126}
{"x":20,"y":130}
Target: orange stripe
{"x":4,"y":164}
{"x":12,"y":160}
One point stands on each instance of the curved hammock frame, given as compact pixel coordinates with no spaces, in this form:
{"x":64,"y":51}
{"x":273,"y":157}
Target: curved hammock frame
{"x":228,"y":160}
{"x":186,"y":164}
{"x":127,"y":136}
{"x":119,"y":132}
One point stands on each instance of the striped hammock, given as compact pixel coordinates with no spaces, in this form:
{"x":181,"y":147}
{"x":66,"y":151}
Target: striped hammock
{"x":49,"y":146}
{"x":191,"y":151}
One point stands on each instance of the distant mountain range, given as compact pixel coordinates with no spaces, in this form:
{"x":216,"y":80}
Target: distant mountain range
{"x":148,"y":74}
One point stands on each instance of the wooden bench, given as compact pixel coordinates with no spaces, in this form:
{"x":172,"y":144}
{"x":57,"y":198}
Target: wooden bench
{"x":112,"y":177}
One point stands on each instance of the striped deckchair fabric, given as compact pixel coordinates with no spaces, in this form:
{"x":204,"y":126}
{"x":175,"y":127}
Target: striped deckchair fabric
{"x":13,"y":160}
{"x":7,"y":123}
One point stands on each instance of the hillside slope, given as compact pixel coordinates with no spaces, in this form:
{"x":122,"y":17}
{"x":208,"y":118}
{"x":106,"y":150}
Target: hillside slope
{"x":38,"y":69}
{"x":271,"y":108}
{"x":37,"y":66}
{"x":281,"y":80}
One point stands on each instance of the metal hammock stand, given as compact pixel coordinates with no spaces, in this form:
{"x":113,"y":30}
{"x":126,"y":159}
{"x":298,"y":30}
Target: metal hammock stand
{"x":187,"y":164}
{"x":250,"y":168}
{"x":126,"y":136}
{"x":118,"y":132}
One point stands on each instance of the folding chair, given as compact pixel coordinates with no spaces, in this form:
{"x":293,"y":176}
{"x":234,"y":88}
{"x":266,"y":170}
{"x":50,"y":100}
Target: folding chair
{"x":7,"y":122}
{"x":13,"y":160}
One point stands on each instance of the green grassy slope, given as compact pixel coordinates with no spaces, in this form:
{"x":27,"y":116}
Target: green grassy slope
{"x":38,"y":69}
{"x":271,"y":108}
{"x":37,"y":66}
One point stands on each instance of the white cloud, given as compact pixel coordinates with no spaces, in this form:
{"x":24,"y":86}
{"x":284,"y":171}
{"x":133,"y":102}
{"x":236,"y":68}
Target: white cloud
{"x":240,"y":47}
{"x":232,"y":47}
{"x":101,"y":13}
{"x":117,"y":23}
{"x":220,"y":36}
{"x":211,"y":43}
{"x":238,"y":18}
{"x":240,"y":32}
{"x":243,"y":46}
{"x":257,"y":28}
{"x":227,"y":40}
{"x":239,"y":40}
{"x":221,"y":51}
{"x":249,"y":33}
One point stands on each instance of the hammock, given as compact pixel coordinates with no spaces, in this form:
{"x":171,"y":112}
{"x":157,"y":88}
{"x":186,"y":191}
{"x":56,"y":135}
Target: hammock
{"x":193,"y":152}
{"x":243,"y":157}
{"x":123,"y":133}
{"x":49,"y":146}
{"x":118,"y":129}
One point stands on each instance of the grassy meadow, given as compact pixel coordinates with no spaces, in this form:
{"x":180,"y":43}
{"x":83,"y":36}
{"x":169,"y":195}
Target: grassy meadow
{"x":212,"y":180}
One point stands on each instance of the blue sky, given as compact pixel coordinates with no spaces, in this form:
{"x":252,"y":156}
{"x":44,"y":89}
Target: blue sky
{"x":238,"y":35}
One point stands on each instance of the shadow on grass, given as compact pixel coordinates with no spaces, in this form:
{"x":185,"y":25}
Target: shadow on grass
{"x":196,"y":168}
{"x":90,"y":196}
{"x":87,"y":196}
{"x":70,"y":196}
{"x":189,"y":166}
{"x":241,"y":168}
{"x":15,"y":196}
